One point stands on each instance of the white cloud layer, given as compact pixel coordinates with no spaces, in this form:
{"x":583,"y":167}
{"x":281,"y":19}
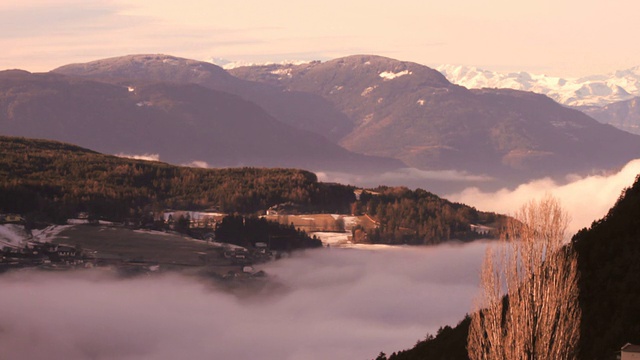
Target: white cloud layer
{"x":331,"y":304}
{"x":586,"y":199}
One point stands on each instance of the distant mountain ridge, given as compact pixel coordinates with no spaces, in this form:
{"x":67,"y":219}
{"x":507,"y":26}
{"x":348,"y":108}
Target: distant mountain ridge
{"x":624,"y":114}
{"x":182,"y":123}
{"x":383,"y":107}
{"x":411,"y":112}
{"x":302,"y":110}
{"x":596,"y":90}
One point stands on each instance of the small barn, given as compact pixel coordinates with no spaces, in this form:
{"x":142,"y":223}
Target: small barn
{"x":630,"y":352}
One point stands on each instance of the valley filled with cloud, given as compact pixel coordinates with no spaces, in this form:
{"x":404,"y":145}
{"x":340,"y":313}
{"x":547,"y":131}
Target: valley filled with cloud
{"x":321,"y":304}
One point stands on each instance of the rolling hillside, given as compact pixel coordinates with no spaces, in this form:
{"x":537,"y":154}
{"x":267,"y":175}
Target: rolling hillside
{"x":180,"y":123}
{"x":411,"y":112}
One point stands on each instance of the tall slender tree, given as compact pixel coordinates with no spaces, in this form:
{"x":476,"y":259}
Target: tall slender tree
{"x":528,"y":307}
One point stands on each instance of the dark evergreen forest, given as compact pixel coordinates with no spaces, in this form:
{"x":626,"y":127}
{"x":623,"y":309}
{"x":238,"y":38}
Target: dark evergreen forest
{"x":55,"y":181}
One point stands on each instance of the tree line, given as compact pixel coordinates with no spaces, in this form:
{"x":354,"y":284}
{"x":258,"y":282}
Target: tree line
{"x":54,"y":181}
{"x":419,"y":217}
{"x":50,"y":181}
{"x":248,"y":231}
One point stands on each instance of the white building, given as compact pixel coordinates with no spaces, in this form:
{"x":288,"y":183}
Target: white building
{"x":630,"y":352}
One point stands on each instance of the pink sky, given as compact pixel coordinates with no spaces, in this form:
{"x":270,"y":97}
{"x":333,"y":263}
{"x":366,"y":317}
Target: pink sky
{"x":565,"y":38}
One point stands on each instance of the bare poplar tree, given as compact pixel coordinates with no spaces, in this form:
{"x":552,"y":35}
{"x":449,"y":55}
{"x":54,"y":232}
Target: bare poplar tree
{"x":540,"y":316}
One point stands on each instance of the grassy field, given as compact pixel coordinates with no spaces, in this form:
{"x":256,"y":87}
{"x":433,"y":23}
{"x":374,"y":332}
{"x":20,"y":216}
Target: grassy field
{"x":149,"y":246}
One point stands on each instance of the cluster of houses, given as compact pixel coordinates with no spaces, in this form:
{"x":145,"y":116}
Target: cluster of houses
{"x":42,"y":254}
{"x":243,"y":256}
{"x":49,"y":256}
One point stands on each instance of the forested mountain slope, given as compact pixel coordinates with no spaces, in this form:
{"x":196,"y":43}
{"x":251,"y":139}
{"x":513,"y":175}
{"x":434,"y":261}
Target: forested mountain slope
{"x":57,"y":180}
{"x":411,"y":112}
{"x":180,"y":123}
{"x":54,"y":181}
{"x":300,"y":109}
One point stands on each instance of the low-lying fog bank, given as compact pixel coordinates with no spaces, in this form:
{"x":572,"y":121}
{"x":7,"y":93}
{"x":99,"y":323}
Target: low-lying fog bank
{"x":585,"y":199}
{"x":331,"y":303}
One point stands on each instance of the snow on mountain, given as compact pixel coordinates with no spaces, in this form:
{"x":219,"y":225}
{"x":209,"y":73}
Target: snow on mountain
{"x":597,"y":90}
{"x":390,"y":75}
{"x":230,"y":64}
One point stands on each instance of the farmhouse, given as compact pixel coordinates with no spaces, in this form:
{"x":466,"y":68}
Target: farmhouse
{"x":481,"y":229}
{"x":287,"y":208}
{"x":630,"y":352}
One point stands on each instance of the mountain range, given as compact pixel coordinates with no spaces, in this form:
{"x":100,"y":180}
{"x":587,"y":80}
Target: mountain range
{"x":300,"y":109}
{"x":624,"y":114}
{"x":595,"y":90}
{"x":413,"y":113}
{"x":179,"y":123}
{"x":610,"y":99}
{"x":360,"y":113}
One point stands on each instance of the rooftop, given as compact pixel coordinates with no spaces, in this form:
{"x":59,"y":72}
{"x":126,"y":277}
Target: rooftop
{"x":631,"y":348}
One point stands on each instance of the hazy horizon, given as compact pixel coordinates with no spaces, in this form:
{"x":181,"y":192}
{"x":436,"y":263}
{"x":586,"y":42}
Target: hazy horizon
{"x":570,"y":38}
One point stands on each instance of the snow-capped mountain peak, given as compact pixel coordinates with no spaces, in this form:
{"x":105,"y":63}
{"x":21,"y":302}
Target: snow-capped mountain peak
{"x":597,"y":90}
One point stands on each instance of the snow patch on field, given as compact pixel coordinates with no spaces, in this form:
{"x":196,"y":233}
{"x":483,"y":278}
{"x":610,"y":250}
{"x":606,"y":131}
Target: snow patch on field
{"x":152,"y":232}
{"x":49,"y":233}
{"x":85,"y":221}
{"x":332,"y":238}
{"x":350,"y":221}
{"x":226,"y":246}
{"x":12,"y":235}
